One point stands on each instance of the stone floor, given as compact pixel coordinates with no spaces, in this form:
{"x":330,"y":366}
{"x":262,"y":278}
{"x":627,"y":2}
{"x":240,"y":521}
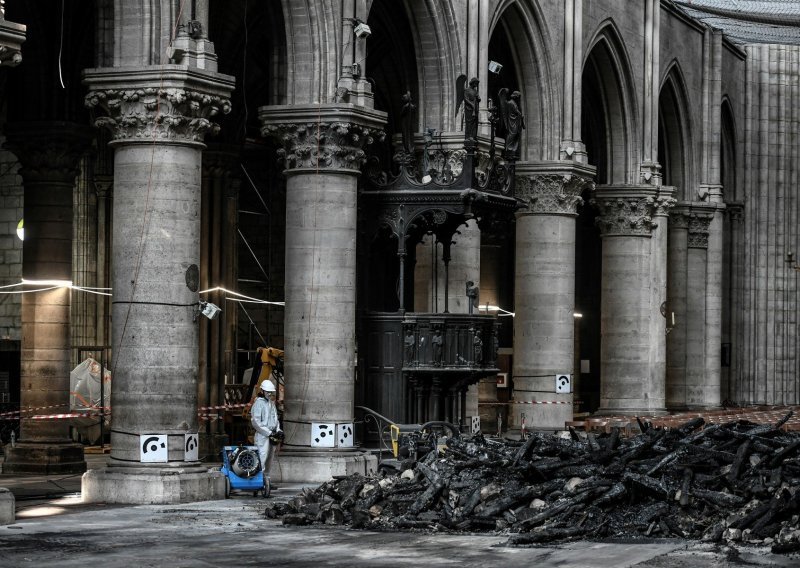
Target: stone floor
{"x":54,"y":528}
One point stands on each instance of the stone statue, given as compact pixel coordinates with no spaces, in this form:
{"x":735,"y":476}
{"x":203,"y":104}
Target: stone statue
{"x":513,"y":121}
{"x":469,"y":95}
{"x":410,"y":343}
{"x":407,"y":123}
{"x":436,"y":341}
{"x":472,"y":295}
{"x":477,"y":347}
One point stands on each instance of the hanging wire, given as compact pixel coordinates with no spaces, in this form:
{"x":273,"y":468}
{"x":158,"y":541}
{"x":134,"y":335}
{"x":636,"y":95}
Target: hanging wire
{"x":61,"y":46}
{"x":254,"y":326}
{"x":253,"y":253}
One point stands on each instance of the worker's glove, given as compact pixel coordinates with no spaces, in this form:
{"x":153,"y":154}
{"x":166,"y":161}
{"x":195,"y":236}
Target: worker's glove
{"x":277,"y":437}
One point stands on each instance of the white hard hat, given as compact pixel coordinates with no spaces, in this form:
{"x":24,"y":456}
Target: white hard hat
{"x":267,"y":386}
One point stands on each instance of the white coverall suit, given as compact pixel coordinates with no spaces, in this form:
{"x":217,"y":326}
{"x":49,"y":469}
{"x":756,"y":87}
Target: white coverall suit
{"x":264,"y":418}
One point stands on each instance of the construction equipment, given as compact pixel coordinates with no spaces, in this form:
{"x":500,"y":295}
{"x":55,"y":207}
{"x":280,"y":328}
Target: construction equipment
{"x":242,"y":468}
{"x":268,"y":366}
{"x":410,"y":442}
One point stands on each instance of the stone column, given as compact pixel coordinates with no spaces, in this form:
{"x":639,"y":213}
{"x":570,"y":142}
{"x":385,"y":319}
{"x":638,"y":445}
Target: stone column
{"x":322,"y":150}
{"x":544,"y":292}
{"x":104,"y":188}
{"x":660,"y":320}
{"x":217,"y":260}
{"x":699,"y":392}
{"x":676,"y":308}
{"x":49,"y":153}
{"x":628,"y":384}
{"x":158,"y":116}
{"x":713,"y":332}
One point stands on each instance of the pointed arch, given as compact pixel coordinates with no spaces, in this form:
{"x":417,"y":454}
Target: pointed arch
{"x":313,"y":32}
{"x":675,"y":140}
{"x":438,"y":51}
{"x":530,"y":50}
{"x":609,"y":107}
{"x":729,"y":160}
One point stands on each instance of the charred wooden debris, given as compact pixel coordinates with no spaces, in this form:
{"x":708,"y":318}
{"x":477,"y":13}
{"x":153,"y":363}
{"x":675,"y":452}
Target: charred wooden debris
{"x":723,"y":482}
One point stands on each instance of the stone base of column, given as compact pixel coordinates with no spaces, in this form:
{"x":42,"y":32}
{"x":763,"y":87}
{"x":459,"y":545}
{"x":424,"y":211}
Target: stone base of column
{"x":144,"y":486}
{"x":211,"y":446}
{"x":44,"y":458}
{"x":541,"y":416}
{"x":7,"y":514}
{"x":315,"y":466}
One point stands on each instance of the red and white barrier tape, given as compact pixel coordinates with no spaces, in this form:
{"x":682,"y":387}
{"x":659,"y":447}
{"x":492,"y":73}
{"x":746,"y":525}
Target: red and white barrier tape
{"x":223,"y":406}
{"x":524,"y":402}
{"x":68,"y":415}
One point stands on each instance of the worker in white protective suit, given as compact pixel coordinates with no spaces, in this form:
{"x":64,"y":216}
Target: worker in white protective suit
{"x":264,"y":418}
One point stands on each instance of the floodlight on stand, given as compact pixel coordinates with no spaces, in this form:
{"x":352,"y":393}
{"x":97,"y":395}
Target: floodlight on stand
{"x":209,"y":310}
{"x":495,"y":67}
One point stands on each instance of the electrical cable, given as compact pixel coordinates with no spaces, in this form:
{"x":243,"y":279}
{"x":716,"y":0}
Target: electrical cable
{"x":61,"y":46}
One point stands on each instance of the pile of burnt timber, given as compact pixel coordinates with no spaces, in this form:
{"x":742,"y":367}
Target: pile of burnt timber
{"x":736,"y":481}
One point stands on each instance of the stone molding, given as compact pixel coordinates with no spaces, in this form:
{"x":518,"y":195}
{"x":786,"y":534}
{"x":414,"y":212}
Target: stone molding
{"x":48,"y":151}
{"x":551,"y":194}
{"x":104,"y":186}
{"x":330,"y":137}
{"x":165,"y":104}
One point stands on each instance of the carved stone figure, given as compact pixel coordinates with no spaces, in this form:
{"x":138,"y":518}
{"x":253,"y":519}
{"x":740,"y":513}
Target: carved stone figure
{"x":471,"y":100}
{"x":477,"y":347}
{"x":513,"y":121}
{"x":472,"y":295}
{"x":410,"y":343}
{"x":407,"y":123}
{"x":436,"y":342}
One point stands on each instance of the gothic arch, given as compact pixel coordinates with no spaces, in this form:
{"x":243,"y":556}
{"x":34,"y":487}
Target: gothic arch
{"x":609,"y":107}
{"x":313,"y":50}
{"x":729,"y":159}
{"x":675,"y":142}
{"x":433,"y":24}
{"x":524,"y":22}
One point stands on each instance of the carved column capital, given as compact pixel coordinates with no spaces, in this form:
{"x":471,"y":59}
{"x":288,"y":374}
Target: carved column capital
{"x":735,"y":211}
{"x":551,"y":193}
{"x":627,"y":211}
{"x":698,"y":230}
{"x":104,"y":186}
{"x":164,"y":104}
{"x":330,"y":137}
{"x":48,"y":151}
{"x":695,"y":217}
{"x":12,"y":37}
{"x":664,"y":201}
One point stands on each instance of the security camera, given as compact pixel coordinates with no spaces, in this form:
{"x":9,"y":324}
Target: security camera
{"x":362,"y":31}
{"x":209,"y":310}
{"x":495,"y":67}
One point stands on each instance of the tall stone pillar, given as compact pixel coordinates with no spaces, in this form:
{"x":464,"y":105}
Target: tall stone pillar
{"x":628,"y":384}
{"x":700,"y":390}
{"x":544,"y":292}
{"x":660,"y":320}
{"x":322,"y":150}
{"x":49,"y":153}
{"x":676,"y":308}
{"x":158,"y":116}
{"x":713,"y":335}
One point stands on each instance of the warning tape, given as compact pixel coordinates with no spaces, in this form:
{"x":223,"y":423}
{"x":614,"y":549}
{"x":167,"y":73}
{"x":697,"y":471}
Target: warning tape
{"x":524,"y":402}
{"x":67,"y":415}
{"x":223,"y":406}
